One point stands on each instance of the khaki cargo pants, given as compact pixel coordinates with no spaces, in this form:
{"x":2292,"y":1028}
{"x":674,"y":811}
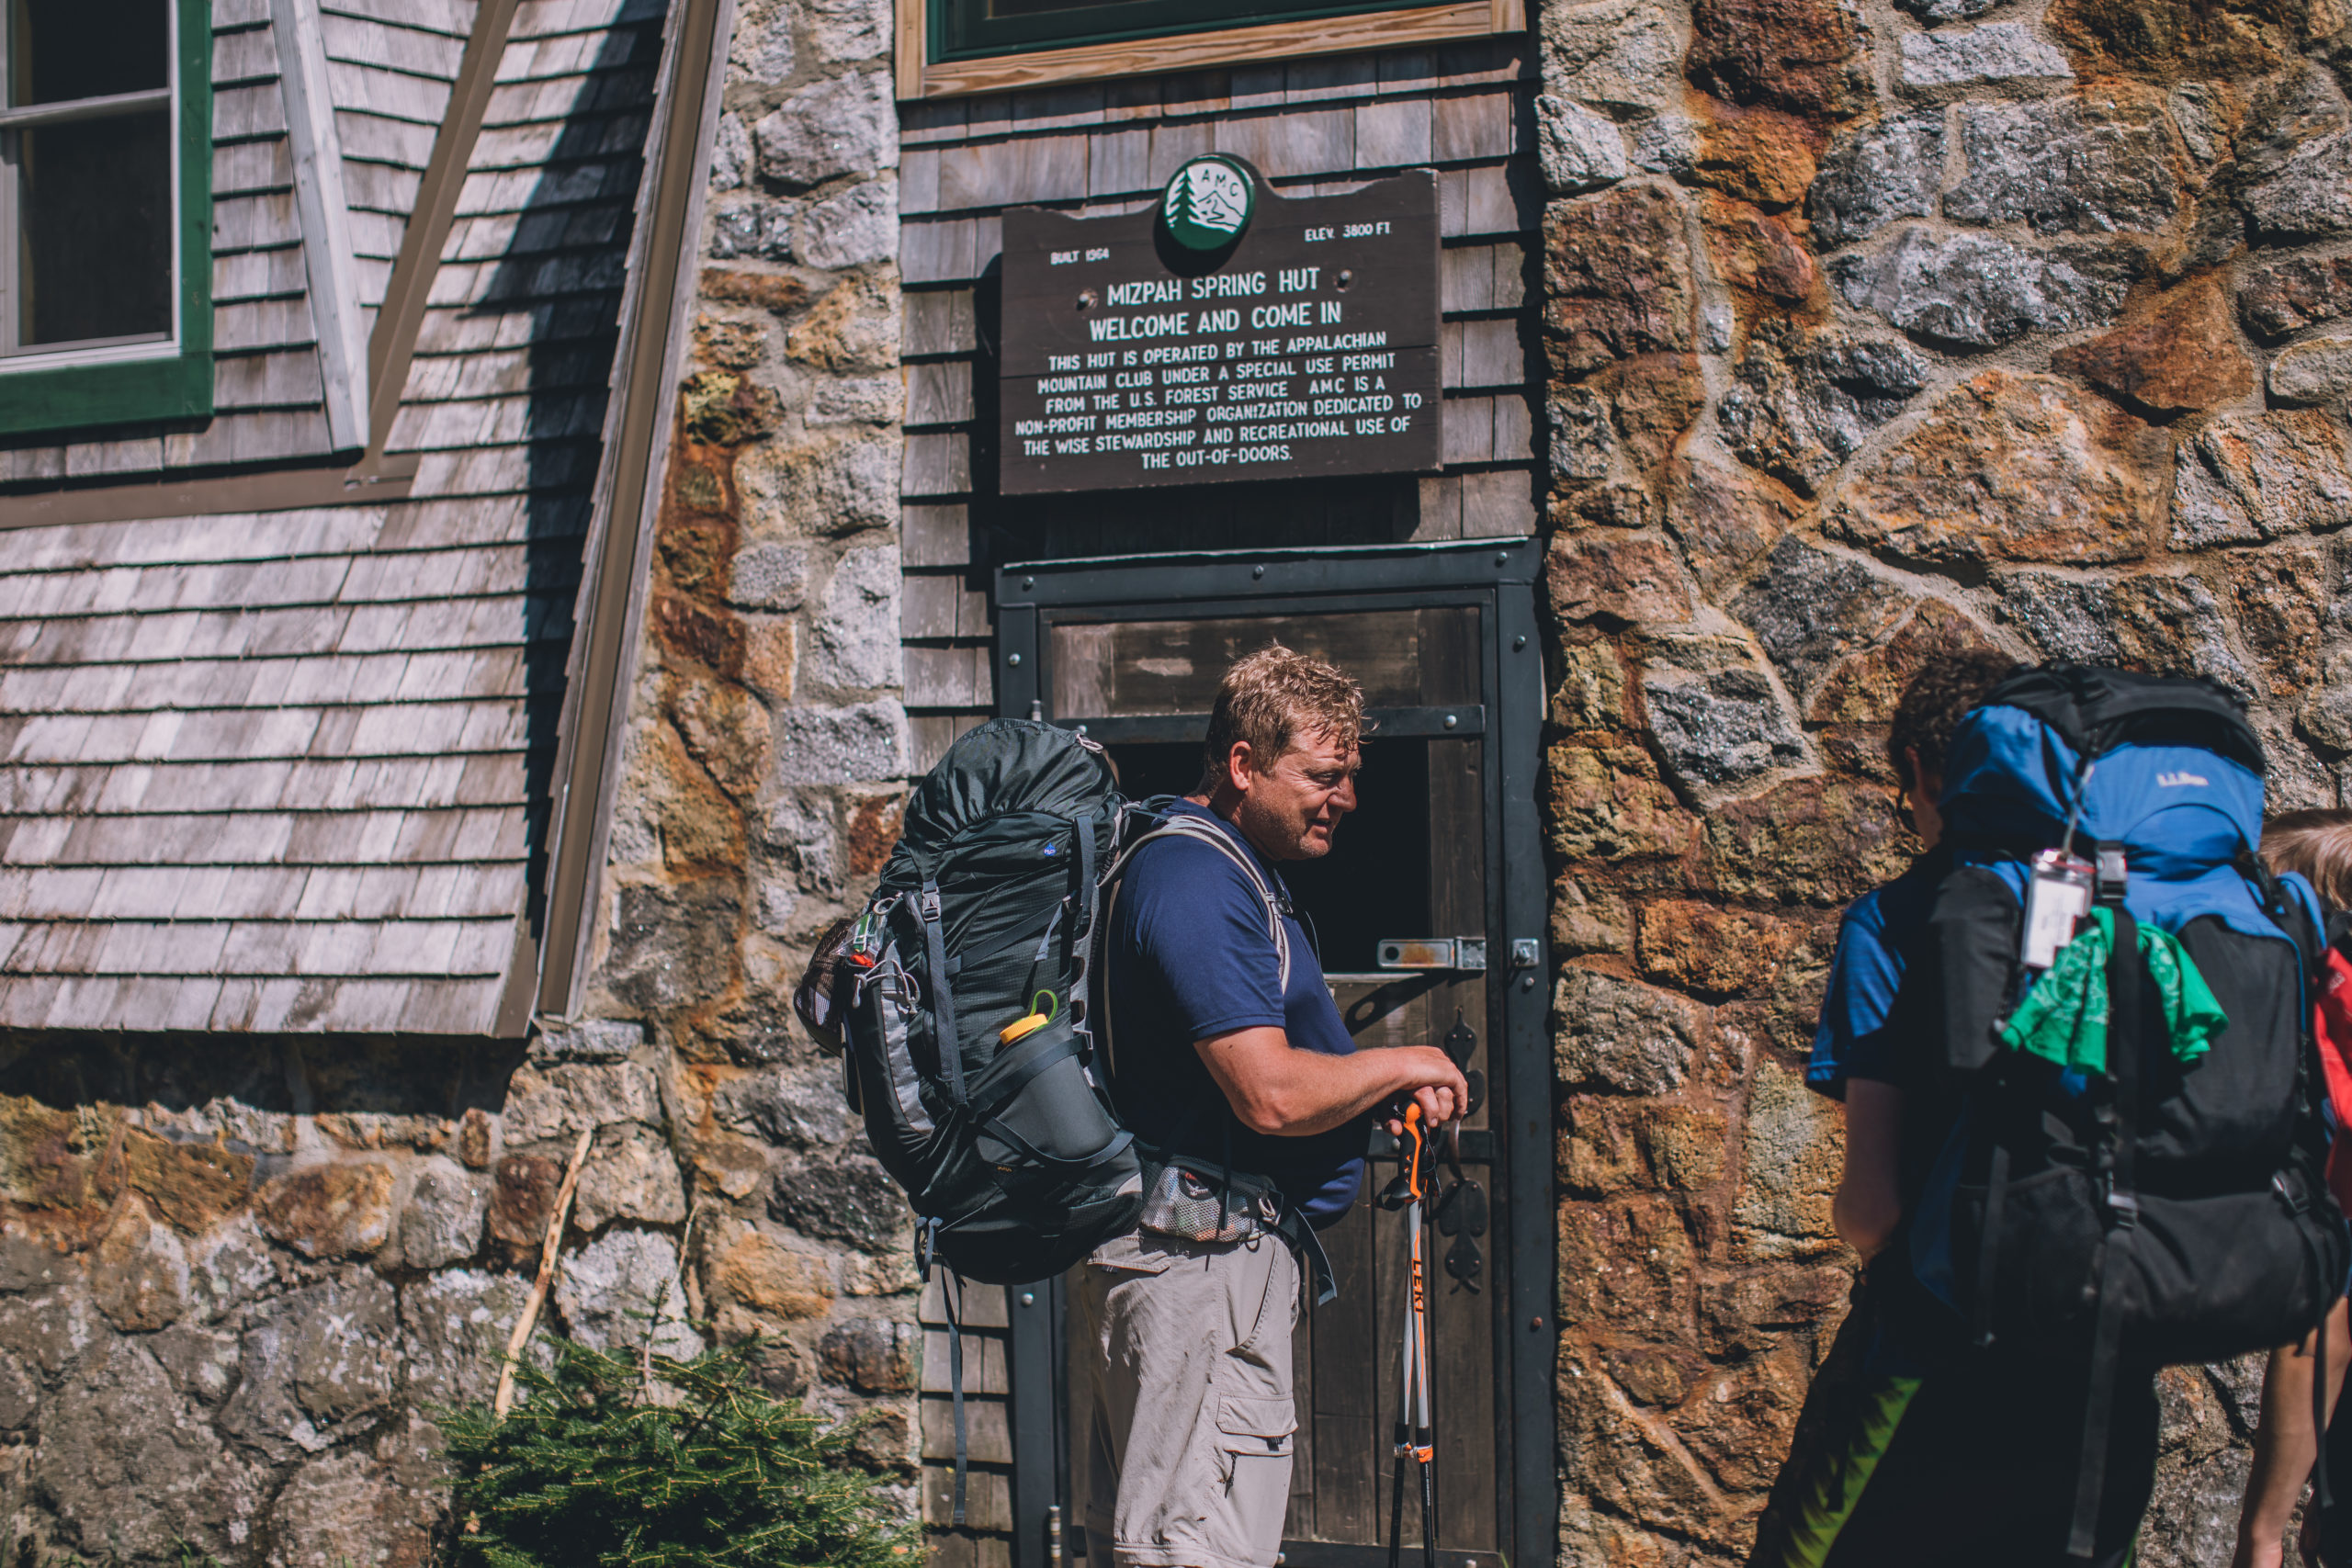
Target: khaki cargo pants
{"x":1186,"y":1440}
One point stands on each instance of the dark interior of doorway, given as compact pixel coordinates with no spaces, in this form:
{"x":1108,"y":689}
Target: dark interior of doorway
{"x":1375,"y":881}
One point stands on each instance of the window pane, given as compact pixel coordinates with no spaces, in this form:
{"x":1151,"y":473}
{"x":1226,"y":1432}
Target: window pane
{"x":86,"y":49}
{"x":1040,"y":7}
{"x":94,"y":211}
{"x":1139,"y":669}
{"x":972,"y":29}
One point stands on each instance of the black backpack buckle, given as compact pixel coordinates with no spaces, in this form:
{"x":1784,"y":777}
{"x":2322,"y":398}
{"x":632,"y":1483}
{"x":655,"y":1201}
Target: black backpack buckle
{"x":2124,"y":1207}
{"x":2289,"y":1188}
{"x":926,"y":1241}
{"x":2112,"y":877}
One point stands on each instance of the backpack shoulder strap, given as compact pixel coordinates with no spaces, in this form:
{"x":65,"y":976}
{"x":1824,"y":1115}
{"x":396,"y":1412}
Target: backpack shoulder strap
{"x":1209,"y":833}
{"x":2292,"y":904}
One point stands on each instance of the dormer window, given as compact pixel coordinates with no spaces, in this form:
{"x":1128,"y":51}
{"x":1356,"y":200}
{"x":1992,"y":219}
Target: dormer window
{"x":106,"y":213}
{"x":86,"y":203}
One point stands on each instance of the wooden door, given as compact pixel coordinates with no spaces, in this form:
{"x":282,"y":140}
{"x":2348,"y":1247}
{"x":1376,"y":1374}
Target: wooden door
{"x":1414,"y":861}
{"x":1348,"y":1366}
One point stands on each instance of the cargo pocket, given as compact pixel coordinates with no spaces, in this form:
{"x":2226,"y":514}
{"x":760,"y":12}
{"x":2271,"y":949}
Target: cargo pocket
{"x":1258,"y":1427}
{"x":1128,"y":1255}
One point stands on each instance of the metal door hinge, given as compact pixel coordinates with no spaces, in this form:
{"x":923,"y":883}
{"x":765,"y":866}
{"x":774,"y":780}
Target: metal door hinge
{"x":1465,"y":953}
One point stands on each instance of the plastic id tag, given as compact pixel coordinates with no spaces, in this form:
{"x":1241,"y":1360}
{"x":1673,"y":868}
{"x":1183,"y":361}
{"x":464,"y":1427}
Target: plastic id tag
{"x":2056,"y":896}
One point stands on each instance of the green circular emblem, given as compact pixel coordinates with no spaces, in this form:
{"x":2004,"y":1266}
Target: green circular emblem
{"x":1208,"y":204}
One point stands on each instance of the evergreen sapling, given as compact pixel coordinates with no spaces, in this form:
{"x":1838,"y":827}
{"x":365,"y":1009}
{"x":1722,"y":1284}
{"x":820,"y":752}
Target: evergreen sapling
{"x":596,"y":1466}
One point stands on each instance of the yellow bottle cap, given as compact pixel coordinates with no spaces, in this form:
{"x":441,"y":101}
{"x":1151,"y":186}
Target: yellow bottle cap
{"x":1019,"y":1027}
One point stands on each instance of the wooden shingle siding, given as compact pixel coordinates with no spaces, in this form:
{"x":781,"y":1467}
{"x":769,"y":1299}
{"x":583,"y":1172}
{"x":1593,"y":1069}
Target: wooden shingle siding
{"x":398,"y":63}
{"x":388,"y":94}
{"x":257,"y":274}
{"x":1317,"y":126}
{"x":283,"y":771}
{"x":454,"y":19}
{"x":983,"y":1543}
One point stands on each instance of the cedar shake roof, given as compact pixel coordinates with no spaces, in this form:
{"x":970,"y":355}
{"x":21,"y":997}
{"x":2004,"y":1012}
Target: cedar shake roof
{"x":289,"y":771}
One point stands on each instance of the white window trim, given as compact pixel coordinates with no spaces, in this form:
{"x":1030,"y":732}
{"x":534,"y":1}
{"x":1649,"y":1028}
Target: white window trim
{"x":165,"y":346}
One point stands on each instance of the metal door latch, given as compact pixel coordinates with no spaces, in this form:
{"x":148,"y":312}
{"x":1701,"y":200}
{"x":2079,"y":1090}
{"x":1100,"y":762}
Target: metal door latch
{"x":1465,"y":953}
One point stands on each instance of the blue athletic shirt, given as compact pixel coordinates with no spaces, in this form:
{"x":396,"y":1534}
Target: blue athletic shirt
{"x":1190,"y":956}
{"x":1851,"y":1041}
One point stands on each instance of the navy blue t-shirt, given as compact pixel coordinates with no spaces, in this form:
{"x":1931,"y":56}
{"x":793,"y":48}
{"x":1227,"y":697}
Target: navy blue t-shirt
{"x":1879,"y":927}
{"x":1190,"y":956}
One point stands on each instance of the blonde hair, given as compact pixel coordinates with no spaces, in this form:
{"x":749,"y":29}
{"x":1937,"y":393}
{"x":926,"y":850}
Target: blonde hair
{"x":1273,"y":698}
{"x":2318,"y":845}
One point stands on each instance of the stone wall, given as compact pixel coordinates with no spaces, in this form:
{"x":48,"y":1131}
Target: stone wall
{"x":767,"y":747}
{"x":238,"y":1277}
{"x":1872,"y":332}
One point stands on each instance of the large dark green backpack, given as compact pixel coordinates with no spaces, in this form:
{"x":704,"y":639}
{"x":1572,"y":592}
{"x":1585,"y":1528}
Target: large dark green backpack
{"x":1008,"y":1149}
{"x":959,"y":999}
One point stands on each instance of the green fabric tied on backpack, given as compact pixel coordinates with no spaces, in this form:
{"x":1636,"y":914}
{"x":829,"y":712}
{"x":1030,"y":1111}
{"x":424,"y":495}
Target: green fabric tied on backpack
{"x":2064,"y":1018}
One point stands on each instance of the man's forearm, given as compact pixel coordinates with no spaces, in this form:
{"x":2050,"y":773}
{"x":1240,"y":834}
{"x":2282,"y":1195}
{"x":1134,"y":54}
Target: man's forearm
{"x":1278,"y":1089}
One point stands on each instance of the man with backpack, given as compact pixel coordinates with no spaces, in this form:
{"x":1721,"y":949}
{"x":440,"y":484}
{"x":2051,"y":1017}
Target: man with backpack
{"x":1229,"y":1061}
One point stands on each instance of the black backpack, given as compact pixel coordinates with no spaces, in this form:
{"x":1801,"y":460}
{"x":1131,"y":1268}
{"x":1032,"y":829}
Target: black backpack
{"x":2161,"y":1212}
{"x":958,"y":999}
{"x":981,"y":933}
{"x":995,"y":1125}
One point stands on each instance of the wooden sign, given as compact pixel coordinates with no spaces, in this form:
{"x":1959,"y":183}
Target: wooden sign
{"x":1226,"y":333}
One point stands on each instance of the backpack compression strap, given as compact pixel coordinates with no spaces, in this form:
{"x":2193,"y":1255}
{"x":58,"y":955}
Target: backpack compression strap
{"x":2124,"y":974}
{"x":943,"y":992}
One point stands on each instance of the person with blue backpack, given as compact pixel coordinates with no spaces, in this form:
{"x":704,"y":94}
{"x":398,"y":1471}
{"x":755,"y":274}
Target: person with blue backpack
{"x":1228,"y":1059}
{"x":1854,"y":1061}
{"x":2106,"y":1156}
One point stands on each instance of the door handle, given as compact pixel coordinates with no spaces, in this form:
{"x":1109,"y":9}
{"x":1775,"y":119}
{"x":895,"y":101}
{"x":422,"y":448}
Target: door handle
{"x":1458,"y":952}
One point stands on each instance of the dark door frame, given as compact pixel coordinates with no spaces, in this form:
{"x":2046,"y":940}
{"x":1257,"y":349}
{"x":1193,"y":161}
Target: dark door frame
{"x":1500,"y":576}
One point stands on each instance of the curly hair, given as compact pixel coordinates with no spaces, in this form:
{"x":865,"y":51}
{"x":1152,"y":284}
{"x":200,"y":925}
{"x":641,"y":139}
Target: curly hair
{"x":1934,"y":703}
{"x":1272,"y":697}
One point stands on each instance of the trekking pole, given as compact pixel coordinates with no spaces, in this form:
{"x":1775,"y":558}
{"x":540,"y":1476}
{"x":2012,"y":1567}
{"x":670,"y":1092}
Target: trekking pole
{"x":1413,"y":1391}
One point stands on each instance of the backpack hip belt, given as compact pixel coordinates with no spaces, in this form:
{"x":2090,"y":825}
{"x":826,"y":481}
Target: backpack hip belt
{"x":1193,"y":1200}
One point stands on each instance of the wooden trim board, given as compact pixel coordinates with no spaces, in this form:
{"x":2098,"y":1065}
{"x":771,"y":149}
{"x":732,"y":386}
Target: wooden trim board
{"x":392,"y":344}
{"x":276,"y":489}
{"x":608,"y":619}
{"x":1189,"y":51}
{"x":327,"y":256}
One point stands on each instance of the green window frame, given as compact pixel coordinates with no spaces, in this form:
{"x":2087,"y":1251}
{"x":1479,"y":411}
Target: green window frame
{"x":965,"y":29}
{"x":174,"y":381}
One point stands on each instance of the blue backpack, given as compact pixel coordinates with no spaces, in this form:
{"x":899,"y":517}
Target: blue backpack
{"x":2160,"y":1211}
